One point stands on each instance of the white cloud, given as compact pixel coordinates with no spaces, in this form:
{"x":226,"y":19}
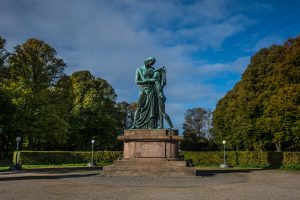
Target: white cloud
{"x":191,"y":92}
{"x":265,"y":42}
{"x":210,"y":9}
{"x":112,"y":38}
{"x":237,"y":66}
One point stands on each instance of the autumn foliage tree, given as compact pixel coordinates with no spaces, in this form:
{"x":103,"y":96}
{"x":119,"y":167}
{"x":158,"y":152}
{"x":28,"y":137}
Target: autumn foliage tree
{"x":262,"y":111}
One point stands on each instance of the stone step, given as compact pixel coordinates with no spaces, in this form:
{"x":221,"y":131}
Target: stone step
{"x":148,"y":171}
{"x":144,"y":168}
{"x":151,"y":174}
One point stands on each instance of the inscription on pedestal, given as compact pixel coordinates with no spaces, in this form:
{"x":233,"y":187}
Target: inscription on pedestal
{"x":150,"y":150}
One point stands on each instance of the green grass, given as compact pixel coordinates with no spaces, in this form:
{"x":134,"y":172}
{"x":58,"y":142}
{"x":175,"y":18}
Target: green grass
{"x":4,"y":167}
{"x":216,"y":166}
{"x":207,"y":168}
{"x":5,"y":164}
{"x":52,"y":166}
{"x":290,"y":167}
{"x":60,"y":165}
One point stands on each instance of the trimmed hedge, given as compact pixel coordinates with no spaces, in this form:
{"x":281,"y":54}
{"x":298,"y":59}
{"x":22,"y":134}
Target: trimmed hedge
{"x":291,"y":158}
{"x":245,"y":158}
{"x":209,"y":158}
{"x":65,"y":157}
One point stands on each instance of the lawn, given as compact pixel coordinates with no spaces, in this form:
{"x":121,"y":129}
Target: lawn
{"x":5,"y":166}
{"x":5,"y":163}
{"x":208,"y":168}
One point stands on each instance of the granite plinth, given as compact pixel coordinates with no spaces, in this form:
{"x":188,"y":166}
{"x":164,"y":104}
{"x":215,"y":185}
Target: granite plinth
{"x":150,"y":153}
{"x":145,"y":143}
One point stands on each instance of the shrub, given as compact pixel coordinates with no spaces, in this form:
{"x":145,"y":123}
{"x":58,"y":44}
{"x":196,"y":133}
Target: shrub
{"x":285,"y":160}
{"x":245,"y":158}
{"x":291,"y":158}
{"x":65,"y":157}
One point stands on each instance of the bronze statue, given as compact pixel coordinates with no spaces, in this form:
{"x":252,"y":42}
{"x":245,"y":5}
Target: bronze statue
{"x":151,"y":103}
{"x":160,"y":76}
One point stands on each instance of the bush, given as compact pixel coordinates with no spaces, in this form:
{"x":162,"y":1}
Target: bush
{"x":242,"y":158}
{"x":291,"y":158}
{"x":245,"y":158}
{"x":65,"y":157}
{"x":285,"y":160}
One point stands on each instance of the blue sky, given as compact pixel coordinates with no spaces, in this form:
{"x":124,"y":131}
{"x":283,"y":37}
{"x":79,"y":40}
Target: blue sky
{"x":205,"y":45}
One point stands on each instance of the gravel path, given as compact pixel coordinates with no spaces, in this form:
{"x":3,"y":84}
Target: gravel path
{"x":83,"y":184}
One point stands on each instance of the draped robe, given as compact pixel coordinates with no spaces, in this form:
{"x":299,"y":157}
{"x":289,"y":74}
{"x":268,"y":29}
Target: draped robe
{"x":148,"y":105}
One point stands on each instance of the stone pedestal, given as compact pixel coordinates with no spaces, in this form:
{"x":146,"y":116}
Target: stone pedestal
{"x":150,"y":153}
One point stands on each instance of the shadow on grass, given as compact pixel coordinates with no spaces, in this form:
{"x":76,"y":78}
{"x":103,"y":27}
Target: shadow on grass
{"x":20,"y":178}
{"x":272,"y":167}
{"x":60,"y":170}
{"x":214,"y":172}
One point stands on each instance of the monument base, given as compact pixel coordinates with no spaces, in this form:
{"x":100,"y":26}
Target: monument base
{"x":150,"y":153}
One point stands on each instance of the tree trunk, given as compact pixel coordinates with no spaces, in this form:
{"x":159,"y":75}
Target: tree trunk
{"x":278,"y":146}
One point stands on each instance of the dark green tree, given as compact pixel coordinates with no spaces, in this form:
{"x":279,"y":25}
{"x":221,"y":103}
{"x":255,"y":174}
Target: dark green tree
{"x":3,"y":52}
{"x":95,"y":113}
{"x":52,"y":111}
{"x":34,"y":70}
{"x":7,"y":109}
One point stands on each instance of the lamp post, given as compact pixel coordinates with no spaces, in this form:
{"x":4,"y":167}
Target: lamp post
{"x":92,"y":163}
{"x":2,"y":153}
{"x":18,"y":139}
{"x":224,"y":165}
{"x":17,"y":165}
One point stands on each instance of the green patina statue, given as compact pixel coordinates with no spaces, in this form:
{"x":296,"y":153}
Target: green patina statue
{"x":150,"y":112}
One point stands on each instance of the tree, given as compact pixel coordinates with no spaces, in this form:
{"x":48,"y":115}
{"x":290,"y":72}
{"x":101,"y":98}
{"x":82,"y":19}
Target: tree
{"x":34,"y":71}
{"x":7,"y":109}
{"x":36,"y":65}
{"x":197,"y":125}
{"x":261,"y":112}
{"x":52,"y":111}
{"x":95,"y":113}
{"x":3,"y":52}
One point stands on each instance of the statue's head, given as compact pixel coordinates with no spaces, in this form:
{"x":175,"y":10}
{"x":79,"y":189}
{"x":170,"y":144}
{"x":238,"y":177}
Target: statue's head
{"x":149,"y":61}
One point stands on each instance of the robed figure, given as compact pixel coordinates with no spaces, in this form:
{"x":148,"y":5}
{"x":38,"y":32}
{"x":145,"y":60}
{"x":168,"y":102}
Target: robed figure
{"x":151,"y":103}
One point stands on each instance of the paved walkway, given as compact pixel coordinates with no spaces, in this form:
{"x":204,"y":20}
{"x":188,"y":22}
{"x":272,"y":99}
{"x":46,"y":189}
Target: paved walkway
{"x":86,"y":184}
